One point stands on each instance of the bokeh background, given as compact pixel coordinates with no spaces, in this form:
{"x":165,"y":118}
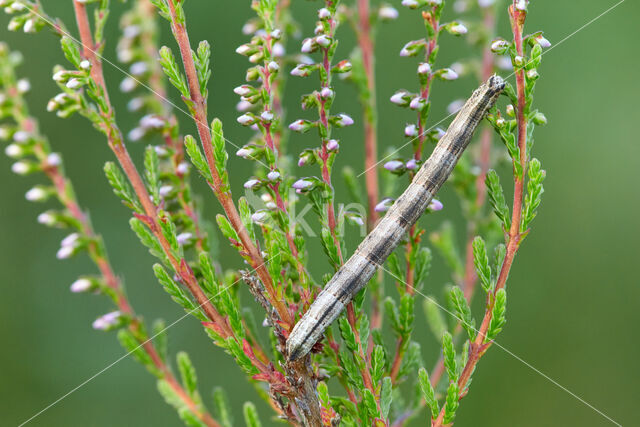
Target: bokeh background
{"x":573,"y":292}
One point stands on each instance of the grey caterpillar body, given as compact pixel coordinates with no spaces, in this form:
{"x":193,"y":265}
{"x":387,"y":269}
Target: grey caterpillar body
{"x":383,"y":239}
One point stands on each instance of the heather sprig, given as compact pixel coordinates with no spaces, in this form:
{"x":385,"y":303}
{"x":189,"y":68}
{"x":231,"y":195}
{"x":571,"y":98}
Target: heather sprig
{"x":30,"y":148}
{"x":377,"y":383}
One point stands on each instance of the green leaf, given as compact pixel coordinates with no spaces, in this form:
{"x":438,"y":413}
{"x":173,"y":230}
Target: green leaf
{"x":197,"y":158}
{"x":169,"y":394}
{"x":227,"y":229}
{"x":411,"y":361}
{"x":481,"y":262}
{"x":407,"y":315}
{"x":449,"y":353}
{"x":189,"y":418}
{"x":370,"y":402}
{"x":148,"y":239}
{"x":323,"y":394}
{"x":496,"y":197}
{"x":221,"y":407}
{"x":201,"y":59}
{"x":171,"y":69}
{"x":177,"y":293}
{"x":121,"y":186}
{"x":350,"y":370}
{"x":348,"y":335}
{"x":434,"y":316}
{"x":386,"y":396}
{"x":451,"y":405}
{"x":498,"y":258}
{"x":71,"y":51}
{"x":152,"y":173}
{"x":353,"y":187}
{"x":464,"y":312}
{"x":242,"y":359}
{"x":251,"y":415}
{"x":132,"y":346}
{"x":394,"y":266}
{"x":423,"y":264}
{"x":498,"y":318}
{"x":378,"y":363}
{"x":220,"y":152}
{"x":534,"y":194}
{"x":428,"y":393}
{"x":170,"y":232}
{"x":391,"y":310}
{"x":160,"y":338}
{"x":187,"y":373}
{"x":245,"y":215}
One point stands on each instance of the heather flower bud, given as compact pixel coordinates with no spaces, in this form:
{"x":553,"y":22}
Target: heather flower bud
{"x":424,"y":68}
{"x":14,"y":151}
{"x":448,"y":74}
{"x":543,"y":42}
{"x":127,"y":85}
{"x":518,"y":61}
{"x":135,"y":104}
{"x":532,"y":74}
{"x":260,"y":217}
{"x":344,"y":120}
{"x":455,"y":106}
{"x":107,"y":321}
{"x":47,"y":218}
{"x":245,"y":49}
{"x":301,"y":70}
{"x":521,"y":4}
{"x":65,"y":252}
{"x":138,"y":68}
{"x":511,"y":112}
{"x":457,"y":29}
{"x":182,"y":168}
{"x":23,"y":85}
{"x":326,"y":93}
{"x":54,"y":159}
{"x":323,"y":40}
{"x":273,"y":175}
{"x":412,"y":48}
{"x":74,"y":83}
{"x":343,"y":66}
{"x":499,"y":46}
{"x":85,"y":64}
{"x":412,"y":165}
{"x":540,"y":119}
{"x":184,"y":238}
{"x":300,"y":125}
{"x":387,"y":13}
{"x":273,"y":67}
{"x":435,"y":205}
{"x":303,"y":185}
{"x":29,"y":26}
{"x":332,"y":145}
{"x":136,"y":134}
{"x":81,"y":285}
{"x":384,"y":205}
{"x":252,"y":184}
{"x":410,"y":130}
{"x":400,"y":98}
{"x":417,"y":103}
{"x":246,"y":119}
{"x":243,"y":106}
{"x":22,"y":168}
{"x":266,"y":116}
{"x":411,"y":4}
{"x":36,"y":194}
{"x":324,"y":13}
{"x":307,"y":45}
{"x":486,"y":3}
{"x":21,"y":136}
{"x":394,"y":166}
{"x":244,"y":153}
{"x":256,"y":57}
{"x":277,"y":50}
{"x":276,"y":34}
{"x":165,"y":190}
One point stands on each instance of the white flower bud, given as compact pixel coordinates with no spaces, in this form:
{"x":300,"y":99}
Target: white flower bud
{"x":267,"y":116}
{"x":21,"y":136}
{"x":260,"y":217}
{"x":398,"y":98}
{"x":243,"y":152}
{"x":499,"y":46}
{"x":23,"y":85}
{"x":46,"y":218}
{"x":71,"y":240}
{"x":384,"y":205}
{"x":131,"y":31}
{"x":251,"y":184}
{"x":544,"y":43}
{"x":36,"y":194}
{"x":326,"y":93}
{"x":277,"y":50}
{"x":29,"y":26}
{"x":165,"y":190}
{"x":449,"y":74}
{"x":243,"y":90}
{"x":128,"y":84}
{"x":85,"y":64}
{"x":388,"y":13}
{"x":60,"y":76}
{"x":307,"y":46}
{"x":245,"y":119}
{"x":410,"y":130}
{"x":184,"y":238}
{"x":65,"y":252}
{"x":13,"y":150}
{"x":138,"y":68}
{"x":424,"y":68}
{"x":332,"y":145}
{"x":136,"y":134}
{"x":521,"y":4}
{"x":324,"y":13}
{"x":54,"y":159}
{"x":182,"y":168}
{"x":20,"y":168}
{"x":273,"y":67}
{"x":81,"y":285}
{"x":455,"y":106}
{"x":345,"y":120}
{"x":135,"y":104}
{"x":74,"y":83}
{"x":412,"y":4}
{"x":323,"y":40}
{"x":458,"y":29}
{"x":273,"y":175}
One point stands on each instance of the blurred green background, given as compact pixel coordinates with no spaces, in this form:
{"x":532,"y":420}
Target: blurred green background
{"x":573,"y":292}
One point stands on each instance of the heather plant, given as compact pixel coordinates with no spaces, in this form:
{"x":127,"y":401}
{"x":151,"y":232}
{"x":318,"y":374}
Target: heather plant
{"x":368,"y":369}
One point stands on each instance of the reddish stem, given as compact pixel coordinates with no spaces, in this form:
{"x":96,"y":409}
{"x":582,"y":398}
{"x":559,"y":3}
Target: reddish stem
{"x":478,"y":347}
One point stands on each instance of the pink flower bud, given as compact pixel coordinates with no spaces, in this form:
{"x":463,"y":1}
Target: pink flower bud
{"x":251,"y":184}
{"x":302,"y":184}
{"x":412,"y":165}
{"x":332,"y":145}
{"x":324,"y":13}
{"x":344,"y":120}
{"x":387,"y":13}
{"x":435,"y":205}
{"x":410,"y":130}
{"x":394,"y":165}
{"x":424,"y":68}
{"x":399,"y":98}
{"x":246,"y":119}
{"x":384,"y":205}
{"x":273,"y":175}
{"x":107,"y":321}
{"x":81,"y":285}
{"x":544,"y":43}
{"x":243,"y":152}
{"x":184,"y":238}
